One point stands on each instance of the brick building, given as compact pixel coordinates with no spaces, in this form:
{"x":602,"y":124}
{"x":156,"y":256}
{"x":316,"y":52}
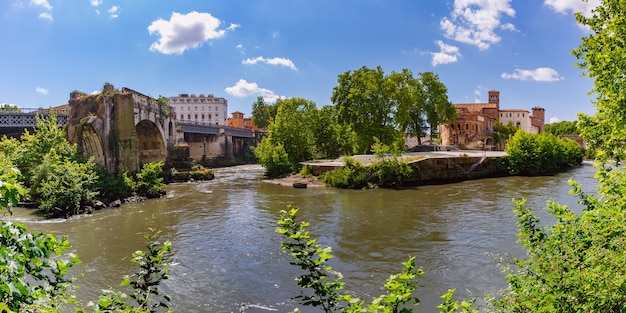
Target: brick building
{"x":475,"y":122}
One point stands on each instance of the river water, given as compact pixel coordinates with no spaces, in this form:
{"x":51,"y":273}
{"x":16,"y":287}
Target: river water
{"x":227,"y":257}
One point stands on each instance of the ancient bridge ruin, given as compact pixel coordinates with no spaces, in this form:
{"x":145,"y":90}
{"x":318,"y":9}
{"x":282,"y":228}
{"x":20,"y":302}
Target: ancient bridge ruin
{"x":122,"y":130}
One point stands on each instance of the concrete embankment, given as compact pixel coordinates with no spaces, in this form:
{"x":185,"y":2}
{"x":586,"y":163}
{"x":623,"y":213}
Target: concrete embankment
{"x":435,"y":167}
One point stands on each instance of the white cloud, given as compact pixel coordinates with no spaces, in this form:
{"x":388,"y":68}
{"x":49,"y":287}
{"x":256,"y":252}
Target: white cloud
{"x":95,"y":92}
{"x":567,"y":6}
{"x":184,"y":31}
{"x":447,"y":54}
{"x":114,"y":11}
{"x":273,"y":61}
{"x":233,"y":26}
{"x":541,"y":74}
{"x":475,"y":21}
{"x":95,"y":3}
{"x":42,"y":91}
{"x":45,"y":16}
{"x":244,"y":89}
{"x":41,"y":3}
{"x":275,"y":35}
{"x":554,"y":120}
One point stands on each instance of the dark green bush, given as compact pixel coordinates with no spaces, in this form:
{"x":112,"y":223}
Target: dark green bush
{"x":351,"y":176}
{"x":532,"y":154}
{"x":274,"y":158}
{"x":149,"y":180}
{"x":113,"y":187}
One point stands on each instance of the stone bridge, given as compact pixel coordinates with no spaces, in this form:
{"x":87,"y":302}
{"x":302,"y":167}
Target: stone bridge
{"x":124,"y":129}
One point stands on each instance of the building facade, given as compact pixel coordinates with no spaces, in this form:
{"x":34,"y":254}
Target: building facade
{"x":237,"y":120}
{"x":200,"y":109}
{"x":475,"y":122}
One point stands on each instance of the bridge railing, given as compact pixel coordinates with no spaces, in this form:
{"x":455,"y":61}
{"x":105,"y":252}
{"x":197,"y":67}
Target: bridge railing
{"x":26,"y":119}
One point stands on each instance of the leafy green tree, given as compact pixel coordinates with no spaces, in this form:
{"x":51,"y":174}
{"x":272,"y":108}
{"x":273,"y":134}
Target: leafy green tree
{"x":273,"y":157}
{"x":364,"y":101}
{"x":563,"y":128}
{"x":10,"y":108}
{"x":408,"y":93}
{"x":331,"y":138}
{"x":601,"y":56}
{"x":437,"y":108}
{"x":293,"y":128}
{"x":262,"y":113}
{"x":62,"y":186}
{"x":28,"y":152}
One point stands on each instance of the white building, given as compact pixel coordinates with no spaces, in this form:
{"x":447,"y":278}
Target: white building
{"x":200,"y":109}
{"x":523,"y":119}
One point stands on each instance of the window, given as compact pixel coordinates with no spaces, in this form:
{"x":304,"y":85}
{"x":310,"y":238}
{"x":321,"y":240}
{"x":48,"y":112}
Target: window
{"x":209,"y":116}
{"x":466,"y":126}
{"x":188,"y":108}
{"x":203,"y":117}
{"x":452,"y":126}
{"x":189,"y":117}
{"x":195,"y":108}
{"x":196,"y":117}
{"x":182,"y":116}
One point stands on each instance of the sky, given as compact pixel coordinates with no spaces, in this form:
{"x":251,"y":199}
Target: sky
{"x":243,"y":49}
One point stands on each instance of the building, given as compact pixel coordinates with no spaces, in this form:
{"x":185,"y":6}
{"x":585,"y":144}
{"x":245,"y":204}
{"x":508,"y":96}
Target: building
{"x":200,"y":109}
{"x":475,"y":122}
{"x":237,"y":120}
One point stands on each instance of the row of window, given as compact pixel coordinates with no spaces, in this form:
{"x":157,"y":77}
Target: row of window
{"x":510,"y":115}
{"x":196,"y":100}
{"x":196,"y":108}
{"x":182,"y":116}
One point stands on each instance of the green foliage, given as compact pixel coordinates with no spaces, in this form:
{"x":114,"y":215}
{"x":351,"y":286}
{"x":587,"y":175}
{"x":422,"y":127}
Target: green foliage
{"x":532,"y":154}
{"x":60,"y":186}
{"x":164,"y":105}
{"x":563,"y":128}
{"x":322,"y":287}
{"x":353,"y":175}
{"x":387,"y":171}
{"x":113,"y":187}
{"x":273,"y":157}
{"x":35,"y":266}
{"x":331,"y":138}
{"x":576,"y":264}
{"x":10,"y":188}
{"x":10,"y":108}
{"x":149,"y":179}
{"x":263,"y":114}
{"x":28,"y":153}
{"x":601,"y":56}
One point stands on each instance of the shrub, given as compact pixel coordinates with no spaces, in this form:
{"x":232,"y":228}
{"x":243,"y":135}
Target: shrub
{"x":353,"y":175}
{"x":149,"y":180}
{"x":532,"y":154}
{"x":390,"y":172}
{"x":60,"y":187}
{"x":112,"y":187}
{"x":274,"y":158}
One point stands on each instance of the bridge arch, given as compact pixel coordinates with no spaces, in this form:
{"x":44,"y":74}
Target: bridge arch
{"x":150,"y":139}
{"x":91,"y":139}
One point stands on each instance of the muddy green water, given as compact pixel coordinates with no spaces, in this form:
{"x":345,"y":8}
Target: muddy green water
{"x":227,"y":258}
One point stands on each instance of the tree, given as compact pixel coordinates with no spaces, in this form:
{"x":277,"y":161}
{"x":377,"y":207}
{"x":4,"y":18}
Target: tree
{"x":364,"y":101}
{"x":331,"y":138}
{"x":438,"y":109}
{"x":563,"y":128}
{"x":10,"y":108}
{"x":262,"y":113}
{"x":601,"y":56}
{"x":293,"y":128}
{"x":410,"y":100}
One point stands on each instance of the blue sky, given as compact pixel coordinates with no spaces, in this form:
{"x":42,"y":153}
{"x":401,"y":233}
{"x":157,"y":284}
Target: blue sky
{"x":242,"y":49}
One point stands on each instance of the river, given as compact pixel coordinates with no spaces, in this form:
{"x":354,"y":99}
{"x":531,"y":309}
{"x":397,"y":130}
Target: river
{"x":227,"y":257}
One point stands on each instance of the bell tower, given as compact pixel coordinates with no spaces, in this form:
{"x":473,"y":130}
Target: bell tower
{"x":494,"y":98}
